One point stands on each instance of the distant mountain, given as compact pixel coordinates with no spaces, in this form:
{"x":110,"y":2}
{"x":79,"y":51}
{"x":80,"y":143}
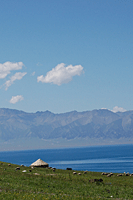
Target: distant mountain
{"x":96,"y":124}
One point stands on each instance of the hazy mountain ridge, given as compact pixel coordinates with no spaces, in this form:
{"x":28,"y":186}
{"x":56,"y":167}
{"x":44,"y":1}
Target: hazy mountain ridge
{"x":46,"y":125}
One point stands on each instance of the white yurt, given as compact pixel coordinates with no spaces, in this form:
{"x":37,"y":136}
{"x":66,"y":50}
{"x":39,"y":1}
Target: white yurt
{"x":39,"y":163}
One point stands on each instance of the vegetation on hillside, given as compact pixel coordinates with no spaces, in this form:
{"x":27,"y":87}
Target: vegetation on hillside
{"x":42,"y":183}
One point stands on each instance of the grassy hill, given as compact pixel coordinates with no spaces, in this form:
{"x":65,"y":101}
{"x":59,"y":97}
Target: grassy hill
{"x":41,"y":183}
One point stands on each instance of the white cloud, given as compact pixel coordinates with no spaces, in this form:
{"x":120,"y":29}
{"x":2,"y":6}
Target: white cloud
{"x":118,"y":109}
{"x":15,"y":99}
{"x":61,"y":74}
{"x":39,"y":64}
{"x":33,"y":73}
{"x":16,"y":76}
{"x":7,"y":67}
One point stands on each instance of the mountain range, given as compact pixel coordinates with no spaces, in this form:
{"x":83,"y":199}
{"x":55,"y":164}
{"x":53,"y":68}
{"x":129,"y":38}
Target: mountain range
{"x":102,"y":125}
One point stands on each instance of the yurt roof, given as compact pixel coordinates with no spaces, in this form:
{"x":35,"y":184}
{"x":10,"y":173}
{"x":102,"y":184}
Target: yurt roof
{"x":39,"y":162}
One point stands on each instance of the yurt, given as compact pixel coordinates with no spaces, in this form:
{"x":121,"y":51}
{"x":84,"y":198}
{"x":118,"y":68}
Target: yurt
{"x":39,"y":163}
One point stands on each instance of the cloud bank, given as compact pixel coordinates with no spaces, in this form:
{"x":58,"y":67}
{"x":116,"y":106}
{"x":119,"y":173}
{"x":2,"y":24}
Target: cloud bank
{"x":16,"y":76}
{"x":61,"y":74}
{"x":7,"y":67}
{"x":15,"y":99}
{"x":118,"y":109}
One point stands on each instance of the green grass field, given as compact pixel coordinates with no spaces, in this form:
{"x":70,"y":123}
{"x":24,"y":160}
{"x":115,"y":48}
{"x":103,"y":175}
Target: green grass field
{"x":42,"y":183}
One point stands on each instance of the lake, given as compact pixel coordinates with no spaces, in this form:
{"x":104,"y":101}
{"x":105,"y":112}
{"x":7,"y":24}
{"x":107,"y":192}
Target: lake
{"x":112,"y":158}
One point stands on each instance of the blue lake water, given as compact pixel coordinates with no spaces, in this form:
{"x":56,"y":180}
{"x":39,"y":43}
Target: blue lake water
{"x":114,"y":158}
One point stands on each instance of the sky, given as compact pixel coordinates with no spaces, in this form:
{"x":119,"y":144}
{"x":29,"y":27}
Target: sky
{"x":66,"y":55}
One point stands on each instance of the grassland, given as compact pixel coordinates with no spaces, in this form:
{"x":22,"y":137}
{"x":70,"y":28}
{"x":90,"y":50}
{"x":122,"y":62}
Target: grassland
{"x":43,"y":183}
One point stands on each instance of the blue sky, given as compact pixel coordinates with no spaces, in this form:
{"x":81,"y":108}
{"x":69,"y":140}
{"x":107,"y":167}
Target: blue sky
{"x":66,"y":55}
